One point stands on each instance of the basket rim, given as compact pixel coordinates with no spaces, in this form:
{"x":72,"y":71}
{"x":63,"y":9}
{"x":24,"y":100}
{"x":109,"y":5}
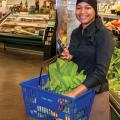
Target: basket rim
{"x":23,"y":84}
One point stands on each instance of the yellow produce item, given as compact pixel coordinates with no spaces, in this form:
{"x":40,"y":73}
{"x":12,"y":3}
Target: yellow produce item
{"x":118,"y":7}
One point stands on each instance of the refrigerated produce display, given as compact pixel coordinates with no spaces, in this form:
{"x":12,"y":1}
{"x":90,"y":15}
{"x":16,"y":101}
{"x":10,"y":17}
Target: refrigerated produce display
{"x":114,"y":84}
{"x":29,"y":27}
{"x":19,"y":28}
{"x":112,"y":22}
{"x":110,"y":19}
{"x":109,"y":12}
{"x":115,"y":104}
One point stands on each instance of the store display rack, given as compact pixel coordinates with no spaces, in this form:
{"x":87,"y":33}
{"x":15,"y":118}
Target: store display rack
{"x":115,"y":105}
{"x":26,"y":31}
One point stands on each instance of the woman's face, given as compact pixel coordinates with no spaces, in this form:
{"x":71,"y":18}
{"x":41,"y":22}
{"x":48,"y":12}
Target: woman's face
{"x":85,"y":13}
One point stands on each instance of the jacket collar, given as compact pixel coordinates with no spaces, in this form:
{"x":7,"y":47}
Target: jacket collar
{"x":94,"y":27}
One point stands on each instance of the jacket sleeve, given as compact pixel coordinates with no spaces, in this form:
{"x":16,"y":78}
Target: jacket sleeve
{"x":104,"y":50}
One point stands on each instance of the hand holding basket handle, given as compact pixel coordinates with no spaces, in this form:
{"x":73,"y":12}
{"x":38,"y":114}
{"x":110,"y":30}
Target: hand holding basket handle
{"x":66,"y":54}
{"x":44,"y":64}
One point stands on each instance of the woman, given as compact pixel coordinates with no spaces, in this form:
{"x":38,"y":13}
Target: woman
{"x":91,"y":47}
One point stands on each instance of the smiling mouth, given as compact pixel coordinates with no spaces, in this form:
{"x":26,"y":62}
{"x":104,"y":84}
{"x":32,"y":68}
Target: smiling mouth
{"x":83,"y":17}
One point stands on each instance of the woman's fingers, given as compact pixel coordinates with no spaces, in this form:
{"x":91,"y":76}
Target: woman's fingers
{"x":66,"y":50}
{"x":66,"y":55}
{"x":63,"y":54}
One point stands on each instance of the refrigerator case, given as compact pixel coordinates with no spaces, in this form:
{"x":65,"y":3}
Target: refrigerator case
{"x":114,"y":84}
{"x":111,"y":21}
{"x":24,"y":31}
{"x":115,"y":104}
{"x":24,"y":24}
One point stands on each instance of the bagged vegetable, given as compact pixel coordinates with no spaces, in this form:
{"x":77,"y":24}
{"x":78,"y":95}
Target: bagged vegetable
{"x":63,"y":76}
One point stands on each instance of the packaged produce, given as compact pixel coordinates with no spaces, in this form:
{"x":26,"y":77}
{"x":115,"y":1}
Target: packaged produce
{"x":63,"y":76}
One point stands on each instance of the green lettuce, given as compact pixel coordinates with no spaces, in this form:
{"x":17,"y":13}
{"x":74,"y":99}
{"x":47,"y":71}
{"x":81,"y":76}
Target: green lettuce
{"x":63,"y":76}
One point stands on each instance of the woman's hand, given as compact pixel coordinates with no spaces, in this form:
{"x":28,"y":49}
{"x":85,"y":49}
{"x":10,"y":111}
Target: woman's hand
{"x":77,"y":91}
{"x":66,"y":54}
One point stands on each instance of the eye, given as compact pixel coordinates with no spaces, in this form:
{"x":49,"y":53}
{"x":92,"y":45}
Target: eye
{"x":78,"y":8}
{"x":87,"y":8}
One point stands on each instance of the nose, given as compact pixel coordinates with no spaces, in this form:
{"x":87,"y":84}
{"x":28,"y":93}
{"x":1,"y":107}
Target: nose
{"x":82,"y":10}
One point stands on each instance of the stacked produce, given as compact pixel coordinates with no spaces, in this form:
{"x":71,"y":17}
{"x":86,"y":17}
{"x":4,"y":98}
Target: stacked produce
{"x":63,"y":76}
{"x":114,"y":26}
{"x":118,"y":9}
{"x":114,"y":71}
{"x":115,"y":85}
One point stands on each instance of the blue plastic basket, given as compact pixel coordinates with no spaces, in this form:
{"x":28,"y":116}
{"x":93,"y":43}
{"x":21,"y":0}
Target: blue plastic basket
{"x":48,"y":105}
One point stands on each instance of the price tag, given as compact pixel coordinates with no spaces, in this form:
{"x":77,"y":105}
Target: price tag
{"x":51,"y":23}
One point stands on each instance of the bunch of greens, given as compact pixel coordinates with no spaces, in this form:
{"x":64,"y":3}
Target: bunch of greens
{"x":63,"y":76}
{"x":114,"y":69}
{"x":115,"y":85}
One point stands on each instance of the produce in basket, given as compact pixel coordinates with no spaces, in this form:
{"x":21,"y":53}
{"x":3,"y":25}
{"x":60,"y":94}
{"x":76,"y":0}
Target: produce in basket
{"x":63,"y":76}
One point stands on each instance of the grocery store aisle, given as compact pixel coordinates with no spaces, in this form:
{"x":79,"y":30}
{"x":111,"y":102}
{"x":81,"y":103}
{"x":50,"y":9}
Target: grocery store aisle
{"x":15,"y":67}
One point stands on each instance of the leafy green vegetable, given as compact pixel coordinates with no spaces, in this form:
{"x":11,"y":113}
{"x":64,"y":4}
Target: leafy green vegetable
{"x":115,"y":85}
{"x":63,"y":76}
{"x":114,"y":68}
{"x":114,"y":71}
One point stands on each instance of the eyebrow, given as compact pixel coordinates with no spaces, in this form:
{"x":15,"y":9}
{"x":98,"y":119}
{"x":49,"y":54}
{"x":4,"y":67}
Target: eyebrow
{"x":85,"y":5}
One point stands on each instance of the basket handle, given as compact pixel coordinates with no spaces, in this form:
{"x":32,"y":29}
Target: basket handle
{"x":46,"y":63}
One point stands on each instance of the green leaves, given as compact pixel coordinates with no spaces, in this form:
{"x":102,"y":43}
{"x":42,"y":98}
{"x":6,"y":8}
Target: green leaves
{"x":114,"y":71}
{"x":63,"y":76}
{"x":114,"y":68}
{"x":115,"y":85}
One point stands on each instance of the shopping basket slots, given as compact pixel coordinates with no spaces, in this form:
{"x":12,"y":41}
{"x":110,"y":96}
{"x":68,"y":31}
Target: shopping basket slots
{"x":44,"y":104}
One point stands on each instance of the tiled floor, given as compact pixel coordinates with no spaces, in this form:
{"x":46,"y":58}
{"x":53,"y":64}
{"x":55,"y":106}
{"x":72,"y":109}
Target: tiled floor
{"x":15,"y":67}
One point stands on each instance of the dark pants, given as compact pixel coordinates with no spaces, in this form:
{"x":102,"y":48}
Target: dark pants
{"x":100,"y":108}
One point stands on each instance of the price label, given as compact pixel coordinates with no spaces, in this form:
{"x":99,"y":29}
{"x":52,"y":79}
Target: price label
{"x":51,"y":23}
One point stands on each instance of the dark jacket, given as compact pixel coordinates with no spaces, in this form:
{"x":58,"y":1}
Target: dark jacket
{"x":92,"y":52}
